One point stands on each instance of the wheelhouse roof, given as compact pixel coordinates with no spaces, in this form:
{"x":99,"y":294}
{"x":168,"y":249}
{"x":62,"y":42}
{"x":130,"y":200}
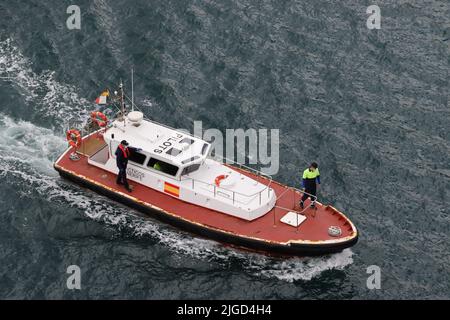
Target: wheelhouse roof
{"x":174,"y":146}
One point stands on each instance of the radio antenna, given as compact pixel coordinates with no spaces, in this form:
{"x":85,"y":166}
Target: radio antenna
{"x":121,"y":101}
{"x":132,"y":90}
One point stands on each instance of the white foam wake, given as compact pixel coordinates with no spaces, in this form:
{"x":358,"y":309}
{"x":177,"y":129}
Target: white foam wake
{"x":23,"y":142}
{"x":302,"y":268}
{"x":43,"y":92}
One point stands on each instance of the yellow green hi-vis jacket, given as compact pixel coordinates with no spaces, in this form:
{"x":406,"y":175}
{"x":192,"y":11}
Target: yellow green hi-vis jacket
{"x":310,"y":178}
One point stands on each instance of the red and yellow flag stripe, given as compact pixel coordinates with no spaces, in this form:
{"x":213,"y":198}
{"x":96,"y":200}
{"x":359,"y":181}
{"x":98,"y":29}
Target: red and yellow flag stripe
{"x":171,"y":189}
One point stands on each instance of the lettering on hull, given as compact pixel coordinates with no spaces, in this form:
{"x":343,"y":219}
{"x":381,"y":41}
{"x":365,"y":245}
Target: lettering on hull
{"x":136,"y":174}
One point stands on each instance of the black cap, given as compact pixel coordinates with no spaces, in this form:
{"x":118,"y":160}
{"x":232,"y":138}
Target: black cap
{"x":124,"y":142}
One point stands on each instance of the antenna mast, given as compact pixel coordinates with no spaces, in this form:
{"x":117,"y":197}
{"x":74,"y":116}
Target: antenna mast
{"x":132,"y":90}
{"x":121,"y":101}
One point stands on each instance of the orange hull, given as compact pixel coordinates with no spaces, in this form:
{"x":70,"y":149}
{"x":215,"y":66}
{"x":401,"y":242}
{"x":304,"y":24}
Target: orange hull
{"x":267,"y":233}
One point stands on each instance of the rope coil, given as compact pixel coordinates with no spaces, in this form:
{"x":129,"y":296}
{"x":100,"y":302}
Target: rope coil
{"x":334,"y":231}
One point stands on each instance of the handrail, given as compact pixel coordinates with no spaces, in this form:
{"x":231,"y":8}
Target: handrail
{"x":218,"y":188}
{"x":299,"y":191}
{"x":304,"y":192}
{"x":225,"y":189}
{"x":259,"y":173}
{"x":266,"y":187}
{"x":292,"y":210}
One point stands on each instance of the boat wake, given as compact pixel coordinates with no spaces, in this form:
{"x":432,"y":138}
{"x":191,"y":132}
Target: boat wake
{"x":302,"y":268}
{"x":27,"y":152}
{"x":60,"y":102}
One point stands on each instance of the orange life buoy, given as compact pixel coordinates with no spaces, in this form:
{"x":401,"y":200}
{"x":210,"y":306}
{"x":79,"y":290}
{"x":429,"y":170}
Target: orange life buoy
{"x":220,"y":178}
{"x":74,"y":138}
{"x":99,"y":118}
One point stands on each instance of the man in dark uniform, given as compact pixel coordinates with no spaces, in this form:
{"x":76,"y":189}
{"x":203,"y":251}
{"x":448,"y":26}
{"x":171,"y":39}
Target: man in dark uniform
{"x":122,"y":155}
{"x":310,"y":179}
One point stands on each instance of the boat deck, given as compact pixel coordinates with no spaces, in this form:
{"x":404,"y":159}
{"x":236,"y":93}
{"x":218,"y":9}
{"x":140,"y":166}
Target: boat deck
{"x":91,"y":145}
{"x":268,"y":228}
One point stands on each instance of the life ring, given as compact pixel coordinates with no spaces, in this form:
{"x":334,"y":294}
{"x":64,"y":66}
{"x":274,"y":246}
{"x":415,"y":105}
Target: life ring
{"x":220,"y":178}
{"x":73,"y":136}
{"x":99,"y":118}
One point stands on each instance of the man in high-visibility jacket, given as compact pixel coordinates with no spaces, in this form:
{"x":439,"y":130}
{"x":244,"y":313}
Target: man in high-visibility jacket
{"x":310,"y":179}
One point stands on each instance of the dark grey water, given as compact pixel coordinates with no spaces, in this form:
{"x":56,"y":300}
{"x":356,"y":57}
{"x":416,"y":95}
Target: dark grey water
{"x":371,"y":106}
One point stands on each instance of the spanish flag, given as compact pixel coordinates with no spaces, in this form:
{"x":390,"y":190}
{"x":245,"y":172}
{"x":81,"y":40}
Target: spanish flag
{"x":171,"y":189}
{"x":102,"y":98}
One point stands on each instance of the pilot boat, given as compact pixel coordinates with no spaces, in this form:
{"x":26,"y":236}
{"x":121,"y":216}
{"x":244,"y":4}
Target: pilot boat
{"x":175,"y":180}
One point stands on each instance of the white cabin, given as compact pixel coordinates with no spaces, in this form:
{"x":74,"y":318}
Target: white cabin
{"x":177,"y":163}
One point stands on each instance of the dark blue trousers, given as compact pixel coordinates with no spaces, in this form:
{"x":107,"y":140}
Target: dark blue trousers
{"x":311,"y":190}
{"x":122,"y":177}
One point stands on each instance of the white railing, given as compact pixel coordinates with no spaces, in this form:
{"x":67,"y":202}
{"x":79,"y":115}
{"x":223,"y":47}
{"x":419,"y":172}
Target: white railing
{"x":234,"y":195}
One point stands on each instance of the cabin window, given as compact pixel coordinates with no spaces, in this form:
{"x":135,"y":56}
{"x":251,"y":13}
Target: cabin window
{"x":162,"y":166}
{"x":137,"y":157}
{"x":190,"y":159}
{"x":173,"y":152}
{"x":187,"y":141}
{"x":204,"y":148}
{"x":190,"y":169}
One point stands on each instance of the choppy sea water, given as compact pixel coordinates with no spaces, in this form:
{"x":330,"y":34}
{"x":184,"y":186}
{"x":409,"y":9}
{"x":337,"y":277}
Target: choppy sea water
{"x":371,"y":106}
